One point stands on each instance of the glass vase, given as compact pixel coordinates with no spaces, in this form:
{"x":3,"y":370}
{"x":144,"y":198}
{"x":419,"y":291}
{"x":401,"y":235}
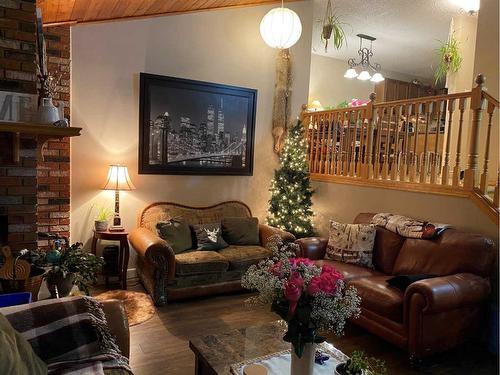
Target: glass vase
{"x":305,"y":364}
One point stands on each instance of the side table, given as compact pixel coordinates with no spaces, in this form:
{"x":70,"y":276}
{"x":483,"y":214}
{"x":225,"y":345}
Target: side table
{"x":124,"y":253}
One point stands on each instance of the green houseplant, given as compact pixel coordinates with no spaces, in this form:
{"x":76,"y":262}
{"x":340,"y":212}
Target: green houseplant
{"x":67,"y":267}
{"x":360,"y":364}
{"x":332,"y":28}
{"x":450,"y":59}
{"x":102,"y":218}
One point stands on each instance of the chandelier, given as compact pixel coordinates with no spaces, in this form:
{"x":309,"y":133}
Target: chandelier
{"x":365,"y":65}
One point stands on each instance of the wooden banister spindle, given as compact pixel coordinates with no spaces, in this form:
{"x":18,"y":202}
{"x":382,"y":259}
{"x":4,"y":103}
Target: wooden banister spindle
{"x":414,"y":158}
{"x":425,"y":159}
{"x":317,"y":148}
{"x":396,"y":160}
{"x":385,"y":166}
{"x":457,"y":168}
{"x":484,"y":176}
{"x":311,"y":133}
{"x":445,"y":175}
{"x":340,"y":158}
{"x":336,"y":119}
{"x":322,"y":143}
{"x":496,"y":193}
{"x":435,"y":167}
{"x":380,"y":117}
{"x":367,"y":170}
{"x":329,"y":150}
{"x":476,"y":104}
{"x":345,"y":166}
{"x":352,"y":165}
{"x":362,"y":143}
{"x":403,"y":173}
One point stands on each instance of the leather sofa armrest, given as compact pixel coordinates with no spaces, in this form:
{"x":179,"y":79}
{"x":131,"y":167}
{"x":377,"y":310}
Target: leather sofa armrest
{"x":118,"y":324}
{"x":153,"y":248}
{"x":449,"y":292}
{"x":313,"y":248}
{"x":266,"y":231}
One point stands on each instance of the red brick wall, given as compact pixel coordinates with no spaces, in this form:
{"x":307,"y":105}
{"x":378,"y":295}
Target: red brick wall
{"x":54,"y":172}
{"x":33,"y":194}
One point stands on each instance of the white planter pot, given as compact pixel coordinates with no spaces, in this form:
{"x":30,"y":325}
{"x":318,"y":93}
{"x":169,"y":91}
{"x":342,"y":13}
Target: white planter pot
{"x":47,"y":112}
{"x":305,"y":364}
{"x":101,"y":225}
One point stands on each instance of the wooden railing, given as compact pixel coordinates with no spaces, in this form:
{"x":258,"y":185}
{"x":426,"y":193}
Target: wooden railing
{"x":415,"y":144}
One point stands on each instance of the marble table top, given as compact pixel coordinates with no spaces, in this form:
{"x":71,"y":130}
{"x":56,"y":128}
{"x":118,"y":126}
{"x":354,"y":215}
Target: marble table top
{"x":224,"y":349}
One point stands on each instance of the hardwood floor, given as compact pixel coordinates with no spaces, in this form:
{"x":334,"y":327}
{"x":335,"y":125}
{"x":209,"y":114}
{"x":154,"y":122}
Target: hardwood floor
{"x":160,"y":345}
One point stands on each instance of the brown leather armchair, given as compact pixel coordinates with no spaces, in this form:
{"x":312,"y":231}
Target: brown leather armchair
{"x":432,"y":315}
{"x":163,"y":273}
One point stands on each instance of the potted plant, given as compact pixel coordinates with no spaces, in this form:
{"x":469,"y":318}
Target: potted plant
{"x":69,"y":266}
{"x":332,"y":27}
{"x":450,"y":59}
{"x":359,"y":364}
{"x":102,"y":219}
{"x":310,"y":298}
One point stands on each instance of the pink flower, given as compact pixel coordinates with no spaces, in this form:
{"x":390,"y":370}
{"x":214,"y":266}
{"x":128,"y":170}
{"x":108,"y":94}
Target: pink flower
{"x":326,"y":282}
{"x":276,"y":269}
{"x":295,"y":262}
{"x":293,"y":290}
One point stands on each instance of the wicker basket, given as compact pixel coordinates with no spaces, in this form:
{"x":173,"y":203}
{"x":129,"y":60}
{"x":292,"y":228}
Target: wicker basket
{"x":31,"y":284}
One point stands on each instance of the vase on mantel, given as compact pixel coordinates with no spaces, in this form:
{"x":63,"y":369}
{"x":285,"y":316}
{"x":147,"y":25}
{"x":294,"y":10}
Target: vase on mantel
{"x":305,"y":364}
{"x":47,"y":112}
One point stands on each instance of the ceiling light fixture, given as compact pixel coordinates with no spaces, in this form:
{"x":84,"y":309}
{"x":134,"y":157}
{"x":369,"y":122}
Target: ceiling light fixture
{"x":470,"y":6}
{"x":365,"y":54}
{"x":281,"y":28}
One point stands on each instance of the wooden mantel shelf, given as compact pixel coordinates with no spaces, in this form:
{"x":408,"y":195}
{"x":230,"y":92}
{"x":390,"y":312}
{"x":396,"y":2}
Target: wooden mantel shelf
{"x":44,"y":133}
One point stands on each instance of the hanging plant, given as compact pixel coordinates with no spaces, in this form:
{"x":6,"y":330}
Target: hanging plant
{"x":450,"y":59}
{"x":332,"y":29}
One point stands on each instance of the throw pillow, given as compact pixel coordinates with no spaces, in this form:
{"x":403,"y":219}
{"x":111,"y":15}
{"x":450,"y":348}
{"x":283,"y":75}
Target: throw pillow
{"x":351,"y":243}
{"x":241,"y":230}
{"x":177,"y":234}
{"x":17,"y":356}
{"x":403,"y":281}
{"x":209,"y":236}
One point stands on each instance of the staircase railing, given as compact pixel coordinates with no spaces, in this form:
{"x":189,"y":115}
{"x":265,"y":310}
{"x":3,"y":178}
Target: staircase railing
{"x":415,"y":144}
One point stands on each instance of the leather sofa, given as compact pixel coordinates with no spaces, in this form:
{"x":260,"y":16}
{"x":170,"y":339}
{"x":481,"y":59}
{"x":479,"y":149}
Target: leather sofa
{"x":166,"y":275}
{"x":432,"y":315}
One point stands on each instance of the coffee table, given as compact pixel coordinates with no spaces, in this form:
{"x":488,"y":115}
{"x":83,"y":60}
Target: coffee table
{"x":214,"y":354}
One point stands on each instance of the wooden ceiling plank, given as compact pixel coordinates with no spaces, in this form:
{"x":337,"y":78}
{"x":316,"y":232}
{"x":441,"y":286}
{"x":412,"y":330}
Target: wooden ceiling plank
{"x":71,"y":11}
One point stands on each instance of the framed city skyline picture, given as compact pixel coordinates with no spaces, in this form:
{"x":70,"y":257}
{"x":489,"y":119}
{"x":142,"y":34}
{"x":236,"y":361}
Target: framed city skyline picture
{"x":193,"y":127}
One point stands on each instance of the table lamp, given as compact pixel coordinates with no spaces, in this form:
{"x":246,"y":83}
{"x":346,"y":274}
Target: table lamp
{"x":118,"y":180}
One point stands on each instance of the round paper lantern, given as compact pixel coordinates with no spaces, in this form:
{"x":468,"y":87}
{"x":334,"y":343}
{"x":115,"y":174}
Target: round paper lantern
{"x":281,"y":28}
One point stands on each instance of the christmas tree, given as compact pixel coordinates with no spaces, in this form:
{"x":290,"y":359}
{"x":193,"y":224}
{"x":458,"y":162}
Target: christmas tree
{"x":290,"y":203}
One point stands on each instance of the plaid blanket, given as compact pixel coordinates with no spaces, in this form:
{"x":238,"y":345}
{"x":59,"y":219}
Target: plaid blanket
{"x":408,"y":227}
{"x":69,"y":334}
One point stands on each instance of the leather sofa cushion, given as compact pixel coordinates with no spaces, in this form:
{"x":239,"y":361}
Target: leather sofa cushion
{"x":200,"y":262}
{"x":242,"y":257}
{"x":387,"y":245}
{"x":349,"y":271}
{"x":452,"y":252}
{"x":380,"y":298}
{"x":241,"y":230}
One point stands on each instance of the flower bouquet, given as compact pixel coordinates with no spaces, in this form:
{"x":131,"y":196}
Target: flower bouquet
{"x":310,"y":298}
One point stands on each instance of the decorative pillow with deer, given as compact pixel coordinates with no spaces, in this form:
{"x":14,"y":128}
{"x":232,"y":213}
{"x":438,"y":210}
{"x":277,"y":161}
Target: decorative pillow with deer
{"x":209,"y":236}
{"x":351,"y":243}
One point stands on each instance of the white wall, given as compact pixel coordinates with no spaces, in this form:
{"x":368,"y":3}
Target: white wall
{"x":344,"y":202}
{"x":222,"y":46}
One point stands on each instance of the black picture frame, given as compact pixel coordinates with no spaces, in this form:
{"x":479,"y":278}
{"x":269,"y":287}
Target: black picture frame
{"x":177,"y":137}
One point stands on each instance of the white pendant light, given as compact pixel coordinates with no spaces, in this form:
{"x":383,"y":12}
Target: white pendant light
{"x":377,"y":77}
{"x":351,"y":73}
{"x":364,"y":75}
{"x":281,"y":28}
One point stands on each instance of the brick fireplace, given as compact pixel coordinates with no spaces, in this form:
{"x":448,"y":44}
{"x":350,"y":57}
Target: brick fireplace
{"x":34,"y":193}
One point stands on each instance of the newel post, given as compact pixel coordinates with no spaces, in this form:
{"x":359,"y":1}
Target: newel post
{"x":476,"y":105}
{"x":367,"y":166}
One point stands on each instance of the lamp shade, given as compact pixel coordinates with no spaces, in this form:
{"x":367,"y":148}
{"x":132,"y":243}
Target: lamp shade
{"x":377,"y":77}
{"x":351,"y":73}
{"x":118,"y":178}
{"x":364,"y":75}
{"x":281,"y":28}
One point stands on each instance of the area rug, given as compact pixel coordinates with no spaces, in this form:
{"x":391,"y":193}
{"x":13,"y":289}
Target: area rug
{"x":139,"y":306}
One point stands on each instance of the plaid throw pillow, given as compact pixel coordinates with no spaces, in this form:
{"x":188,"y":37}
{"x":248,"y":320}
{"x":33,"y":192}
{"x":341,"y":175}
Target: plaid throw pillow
{"x":351,"y":243}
